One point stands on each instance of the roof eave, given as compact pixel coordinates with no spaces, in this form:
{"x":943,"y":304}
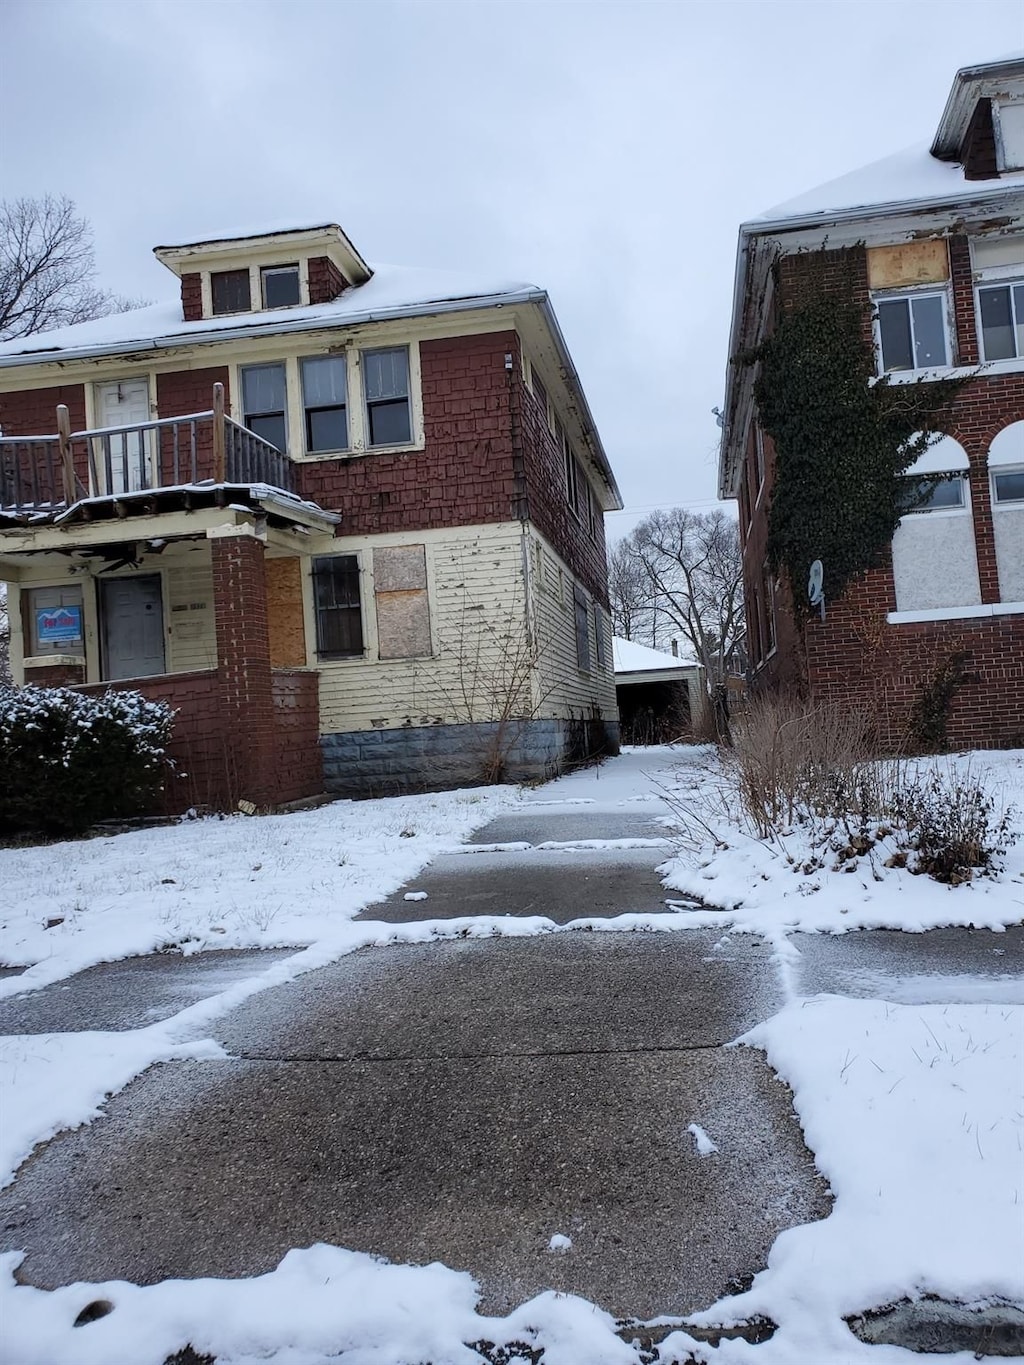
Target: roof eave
{"x":177,"y":340}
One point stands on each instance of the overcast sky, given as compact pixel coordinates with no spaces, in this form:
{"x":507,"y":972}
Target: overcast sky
{"x":606,"y":151}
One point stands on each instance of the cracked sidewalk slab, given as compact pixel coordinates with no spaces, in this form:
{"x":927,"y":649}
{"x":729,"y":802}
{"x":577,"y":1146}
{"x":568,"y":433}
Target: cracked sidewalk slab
{"x":457,"y":1101}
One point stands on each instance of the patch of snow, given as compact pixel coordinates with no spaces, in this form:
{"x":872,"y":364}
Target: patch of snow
{"x":909,"y":176}
{"x":559,"y":1242}
{"x":389,"y":291}
{"x":704,"y":1145}
{"x":630,"y":657}
{"x":415,"y":896}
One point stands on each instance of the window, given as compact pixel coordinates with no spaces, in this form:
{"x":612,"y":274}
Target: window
{"x":230,"y":291}
{"x":280,"y":286}
{"x":599,"y":639}
{"x":945,"y":495}
{"x":582,"y":628}
{"x":324,"y":400}
{"x":591,"y":509}
{"x":768,"y":597}
{"x":1009,"y":131}
{"x":54,"y":621}
{"x":912,"y":332}
{"x":1001,"y":309}
{"x":339,"y":617}
{"x":759,"y":456}
{"x":572,"y":487}
{"x":386,"y":386}
{"x":263,"y":403}
{"x":1008,"y":485}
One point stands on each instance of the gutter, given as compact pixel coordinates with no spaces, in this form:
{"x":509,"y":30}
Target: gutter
{"x":56,"y":355}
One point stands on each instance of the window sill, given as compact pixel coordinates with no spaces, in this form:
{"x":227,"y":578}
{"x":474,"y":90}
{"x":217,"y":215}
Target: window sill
{"x":984,"y":369}
{"x":979,"y":611}
{"x":319,"y":456}
{"x":49,"y":660}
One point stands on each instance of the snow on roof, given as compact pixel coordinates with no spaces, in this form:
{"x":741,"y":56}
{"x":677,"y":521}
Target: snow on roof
{"x":910,"y":176}
{"x":391,"y":291}
{"x":633,"y":658}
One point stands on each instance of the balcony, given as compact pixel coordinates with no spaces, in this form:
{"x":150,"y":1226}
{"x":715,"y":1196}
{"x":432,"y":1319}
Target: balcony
{"x":42,"y":477}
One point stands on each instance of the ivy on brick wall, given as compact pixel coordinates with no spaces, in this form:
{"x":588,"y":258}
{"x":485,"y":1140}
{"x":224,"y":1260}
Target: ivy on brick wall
{"x":842,"y":442}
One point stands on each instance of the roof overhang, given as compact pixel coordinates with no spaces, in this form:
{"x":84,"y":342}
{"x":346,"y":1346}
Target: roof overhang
{"x":988,"y":80}
{"x":222,"y":252}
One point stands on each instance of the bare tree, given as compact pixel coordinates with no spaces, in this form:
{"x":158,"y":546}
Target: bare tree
{"x":47,"y":268}
{"x":5,"y":637}
{"x":693,"y":571}
{"x":629,"y":593}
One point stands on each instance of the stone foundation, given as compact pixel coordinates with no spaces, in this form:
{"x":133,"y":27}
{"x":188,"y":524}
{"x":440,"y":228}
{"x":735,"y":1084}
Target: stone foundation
{"x":440,"y":757}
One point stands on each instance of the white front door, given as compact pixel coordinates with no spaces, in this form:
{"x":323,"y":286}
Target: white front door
{"x":123,"y":461}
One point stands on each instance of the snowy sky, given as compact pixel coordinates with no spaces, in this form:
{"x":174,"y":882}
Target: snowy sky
{"x":606,"y":151}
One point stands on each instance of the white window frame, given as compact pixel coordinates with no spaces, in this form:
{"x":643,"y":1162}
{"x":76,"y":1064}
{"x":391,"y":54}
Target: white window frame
{"x":1005,"y":277}
{"x":358,"y":431}
{"x":1002,"y":158}
{"x":964,"y":509}
{"x":920,"y":292}
{"x":1003,"y":504}
{"x":265,"y":270}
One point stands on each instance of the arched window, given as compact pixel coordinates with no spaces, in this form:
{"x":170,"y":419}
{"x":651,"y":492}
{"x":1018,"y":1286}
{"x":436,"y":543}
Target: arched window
{"x":934,"y":561}
{"x":1006,"y":481}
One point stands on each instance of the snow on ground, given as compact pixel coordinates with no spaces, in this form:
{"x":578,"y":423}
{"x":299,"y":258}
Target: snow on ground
{"x":267,"y":881}
{"x":774,"y":887}
{"x":912,"y":1110}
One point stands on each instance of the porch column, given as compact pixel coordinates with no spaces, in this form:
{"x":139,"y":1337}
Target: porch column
{"x":243,"y":660}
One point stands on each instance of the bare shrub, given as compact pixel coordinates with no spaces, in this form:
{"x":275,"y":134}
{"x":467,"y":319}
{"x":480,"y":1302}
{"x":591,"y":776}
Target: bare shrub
{"x":953,"y":824}
{"x":790,"y":758}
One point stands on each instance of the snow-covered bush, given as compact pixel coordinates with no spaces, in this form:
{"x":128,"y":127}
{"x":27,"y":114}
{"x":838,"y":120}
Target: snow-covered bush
{"x":953,"y":825}
{"x":68,"y":760}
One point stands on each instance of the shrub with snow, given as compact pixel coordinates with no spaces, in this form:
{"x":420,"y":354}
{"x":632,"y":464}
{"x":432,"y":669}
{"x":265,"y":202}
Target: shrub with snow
{"x":68,"y":760}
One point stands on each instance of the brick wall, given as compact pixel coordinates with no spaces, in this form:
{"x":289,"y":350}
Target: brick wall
{"x":178,"y":394}
{"x":547,"y":501}
{"x":33,"y":412}
{"x":298,"y":764}
{"x":855,"y":657}
{"x":463,"y":477}
{"x":54,"y":675}
{"x":200,"y":748}
{"x":192,"y":296}
{"x":326,"y":281}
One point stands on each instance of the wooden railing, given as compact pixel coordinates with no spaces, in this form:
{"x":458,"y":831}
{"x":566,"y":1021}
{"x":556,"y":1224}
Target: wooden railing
{"x":41,"y":474}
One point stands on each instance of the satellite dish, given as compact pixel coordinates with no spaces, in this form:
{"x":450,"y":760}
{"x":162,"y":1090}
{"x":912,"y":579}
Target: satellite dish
{"x":816,"y":586}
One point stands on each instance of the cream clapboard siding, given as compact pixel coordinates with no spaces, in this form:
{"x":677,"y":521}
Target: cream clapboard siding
{"x":562,"y":687}
{"x":189,"y":616}
{"x":476,"y":594}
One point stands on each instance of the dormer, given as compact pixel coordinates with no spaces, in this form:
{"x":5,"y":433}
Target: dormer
{"x":231,"y":276}
{"x":982,"y":125}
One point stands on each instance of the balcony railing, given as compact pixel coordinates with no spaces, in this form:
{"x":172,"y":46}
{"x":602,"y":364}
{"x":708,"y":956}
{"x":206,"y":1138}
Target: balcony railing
{"x":43,"y":474}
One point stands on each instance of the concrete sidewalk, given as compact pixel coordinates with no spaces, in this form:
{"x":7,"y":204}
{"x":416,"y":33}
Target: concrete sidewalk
{"x":462,"y":1101}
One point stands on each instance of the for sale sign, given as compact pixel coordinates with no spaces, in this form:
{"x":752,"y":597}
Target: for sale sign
{"x":59,"y":625}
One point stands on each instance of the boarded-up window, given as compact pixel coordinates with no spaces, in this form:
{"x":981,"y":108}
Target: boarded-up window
{"x":582,"y":629}
{"x":599,"y":637}
{"x":403,"y":611}
{"x":284,"y":613}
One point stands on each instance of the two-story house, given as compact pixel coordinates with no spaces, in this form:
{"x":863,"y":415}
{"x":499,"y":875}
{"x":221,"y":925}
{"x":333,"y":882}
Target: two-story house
{"x":933,"y":254}
{"x":349,"y":521}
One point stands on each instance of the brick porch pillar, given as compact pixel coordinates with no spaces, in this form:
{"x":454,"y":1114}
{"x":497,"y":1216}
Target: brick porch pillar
{"x":243,"y":661}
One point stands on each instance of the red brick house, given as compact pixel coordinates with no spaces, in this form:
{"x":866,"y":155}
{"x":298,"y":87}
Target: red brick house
{"x":936,"y":241}
{"x":349,"y":521}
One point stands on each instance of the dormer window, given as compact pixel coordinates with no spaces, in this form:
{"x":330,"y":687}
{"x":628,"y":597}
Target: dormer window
{"x":1009,"y":134}
{"x":229,"y":291}
{"x":280,"y":285}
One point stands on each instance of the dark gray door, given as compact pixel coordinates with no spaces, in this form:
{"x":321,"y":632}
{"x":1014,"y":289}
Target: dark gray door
{"x":133,"y":627}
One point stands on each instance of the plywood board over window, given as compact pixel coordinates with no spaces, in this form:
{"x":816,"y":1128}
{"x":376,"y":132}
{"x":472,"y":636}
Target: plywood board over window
{"x":403,"y":610}
{"x":284,"y":613}
{"x":900,"y":267}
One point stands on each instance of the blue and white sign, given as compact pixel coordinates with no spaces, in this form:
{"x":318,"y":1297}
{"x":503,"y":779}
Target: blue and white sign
{"x":59,"y":625}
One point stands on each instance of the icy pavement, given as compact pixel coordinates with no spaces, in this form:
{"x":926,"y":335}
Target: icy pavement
{"x":483,"y":1081}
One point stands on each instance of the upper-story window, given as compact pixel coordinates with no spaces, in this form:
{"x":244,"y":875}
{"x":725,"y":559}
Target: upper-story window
{"x":999,"y":271}
{"x":1009,"y":134}
{"x":280,"y":285}
{"x":265,"y":402}
{"x":386,"y":389}
{"x":1001,"y":309}
{"x":913,"y":332}
{"x":325,"y":402}
{"x":946,"y":495}
{"x":229,"y":291}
